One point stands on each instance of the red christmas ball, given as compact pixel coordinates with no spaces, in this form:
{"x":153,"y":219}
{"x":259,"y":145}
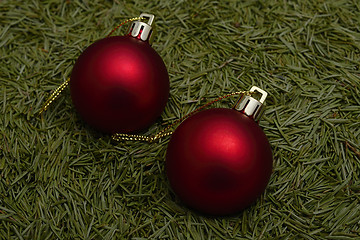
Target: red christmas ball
{"x":219,"y":161}
{"x":119,"y":84}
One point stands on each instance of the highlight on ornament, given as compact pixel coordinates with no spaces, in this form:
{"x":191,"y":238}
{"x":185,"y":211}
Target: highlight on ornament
{"x":119,"y":84}
{"x":219,"y":160}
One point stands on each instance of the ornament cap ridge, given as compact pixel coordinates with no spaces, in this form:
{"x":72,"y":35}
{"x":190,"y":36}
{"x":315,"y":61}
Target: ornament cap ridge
{"x":141,"y":30}
{"x":250,"y":106}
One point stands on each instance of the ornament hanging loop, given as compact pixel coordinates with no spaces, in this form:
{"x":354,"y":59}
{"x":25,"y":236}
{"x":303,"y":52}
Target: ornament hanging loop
{"x":147,"y":15}
{"x":263,"y":93}
{"x":142,"y":30}
{"x":250,"y":106}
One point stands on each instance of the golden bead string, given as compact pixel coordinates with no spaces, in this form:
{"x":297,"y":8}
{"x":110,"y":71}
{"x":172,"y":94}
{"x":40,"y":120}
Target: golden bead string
{"x":125,"y":22}
{"x":62,"y":87}
{"x":166,"y":131}
{"x":132,"y":137}
{"x":54,"y":96}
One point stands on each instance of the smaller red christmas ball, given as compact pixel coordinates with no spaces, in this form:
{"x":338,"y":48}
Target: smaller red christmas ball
{"x":120,"y":84}
{"x":219,"y":161}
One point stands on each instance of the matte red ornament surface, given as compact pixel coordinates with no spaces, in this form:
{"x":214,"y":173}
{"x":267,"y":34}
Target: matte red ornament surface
{"x":119,"y":84}
{"x":219,"y":161}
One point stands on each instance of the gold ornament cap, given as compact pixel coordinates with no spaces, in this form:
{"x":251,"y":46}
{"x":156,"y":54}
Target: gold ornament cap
{"x":142,"y":30}
{"x":250,"y":106}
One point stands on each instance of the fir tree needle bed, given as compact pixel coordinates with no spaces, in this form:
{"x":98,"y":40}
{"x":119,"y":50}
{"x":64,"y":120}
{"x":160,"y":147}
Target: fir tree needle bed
{"x":59,"y":179}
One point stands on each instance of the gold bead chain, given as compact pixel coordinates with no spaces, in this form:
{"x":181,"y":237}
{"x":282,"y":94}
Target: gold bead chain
{"x":62,"y":87}
{"x":54,"y":96}
{"x":124,"y":22}
{"x":131,"y":137}
{"x":166,"y":131}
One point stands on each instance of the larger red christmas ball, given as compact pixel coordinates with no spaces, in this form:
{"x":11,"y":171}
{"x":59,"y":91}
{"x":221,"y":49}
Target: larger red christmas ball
{"x":119,"y":84}
{"x":219,"y":161}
